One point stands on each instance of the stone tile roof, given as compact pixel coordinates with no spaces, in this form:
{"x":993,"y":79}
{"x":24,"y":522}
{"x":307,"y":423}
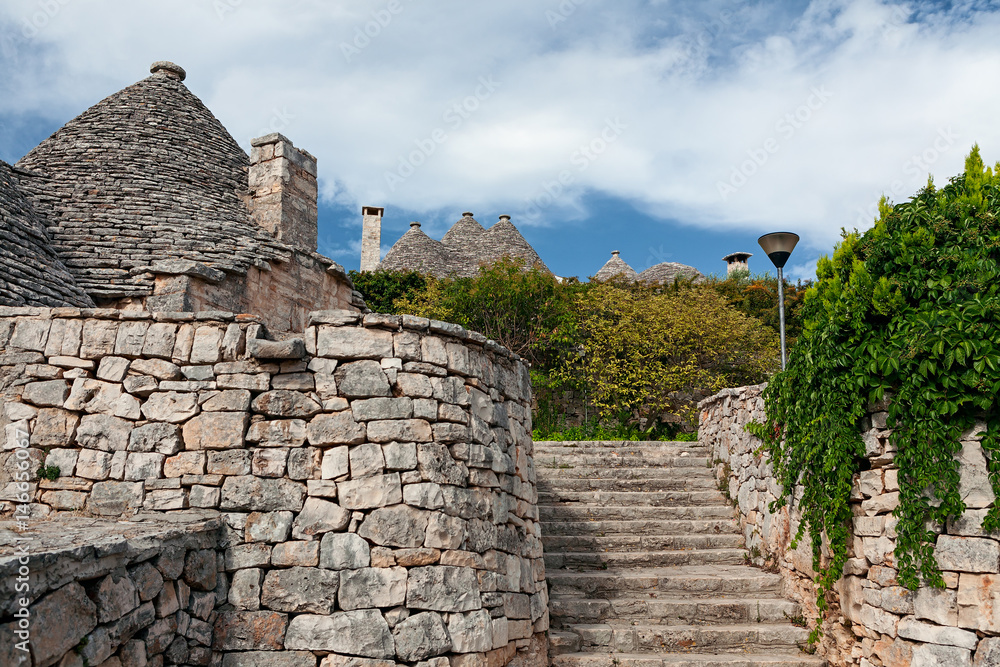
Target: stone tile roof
{"x":31,"y":273}
{"x":462,"y":249}
{"x":668,"y":272}
{"x":147,"y":174}
{"x":616,"y":266}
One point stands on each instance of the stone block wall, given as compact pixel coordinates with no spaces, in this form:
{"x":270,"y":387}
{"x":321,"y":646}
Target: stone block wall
{"x":373,"y":474}
{"x":872,"y":621}
{"x":80,"y":591}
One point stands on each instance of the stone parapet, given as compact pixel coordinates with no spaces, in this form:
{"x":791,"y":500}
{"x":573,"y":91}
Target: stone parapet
{"x":872,"y":619}
{"x":373,"y":474}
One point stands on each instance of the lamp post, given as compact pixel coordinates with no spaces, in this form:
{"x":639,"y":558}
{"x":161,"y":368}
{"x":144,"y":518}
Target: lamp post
{"x":778,"y":246}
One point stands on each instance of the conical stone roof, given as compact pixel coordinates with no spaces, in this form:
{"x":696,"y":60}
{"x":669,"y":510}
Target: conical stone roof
{"x":463,"y":240}
{"x":503,"y":240}
{"x":616,"y":267}
{"x":146,"y":174}
{"x":31,"y":273}
{"x":668,"y":272}
{"x":415,"y":251}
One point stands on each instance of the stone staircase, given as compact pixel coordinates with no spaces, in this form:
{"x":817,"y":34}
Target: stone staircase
{"x":646,"y":564}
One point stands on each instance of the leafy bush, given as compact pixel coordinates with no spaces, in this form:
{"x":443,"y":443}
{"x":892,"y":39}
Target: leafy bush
{"x":382,"y":289}
{"x":757,"y":296}
{"x":908,"y":311}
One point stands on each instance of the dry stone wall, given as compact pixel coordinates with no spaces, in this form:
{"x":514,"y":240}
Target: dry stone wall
{"x":372,"y":476}
{"x":873,"y":621}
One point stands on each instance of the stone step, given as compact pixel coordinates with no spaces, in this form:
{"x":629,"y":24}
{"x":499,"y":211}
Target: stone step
{"x":741,"y":638}
{"x":618,"y":444}
{"x":691,"y":581}
{"x":553,"y":460}
{"x":594,"y":659}
{"x":672,"y":610}
{"x":644,"y":527}
{"x":590,"y":560}
{"x":668,"y":483}
{"x":563,"y":642}
{"x":561,"y":543}
{"x":634,"y":472}
{"x":634,"y":498}
{"x":576,"y":512}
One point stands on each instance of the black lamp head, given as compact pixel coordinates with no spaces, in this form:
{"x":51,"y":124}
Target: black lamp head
{"x":778,"y":246}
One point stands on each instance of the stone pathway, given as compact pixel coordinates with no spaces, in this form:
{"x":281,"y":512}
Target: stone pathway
{"x":645,"y":564}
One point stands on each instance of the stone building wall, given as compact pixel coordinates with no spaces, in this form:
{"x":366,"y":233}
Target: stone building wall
{"x":372,"y":475}
{"x":872,"y":620}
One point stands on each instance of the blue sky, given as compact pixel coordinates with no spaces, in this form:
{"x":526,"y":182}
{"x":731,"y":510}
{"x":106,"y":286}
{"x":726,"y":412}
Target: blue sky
{"x":672,"y":131}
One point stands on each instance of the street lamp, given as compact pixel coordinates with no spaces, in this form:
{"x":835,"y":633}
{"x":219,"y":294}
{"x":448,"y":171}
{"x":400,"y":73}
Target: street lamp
{"x":778,"y":246}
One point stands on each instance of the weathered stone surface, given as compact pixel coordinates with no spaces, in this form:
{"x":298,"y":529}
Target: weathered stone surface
{"x":290,"y":554}
{"x":366,"y":460}
{"x":339,"y":428}
{"x":249,"y":493}
{"x":353,"y":343}
{"x":363,"y":632}
{"x":301,"y":589}
{"x":987,"y":653}
{"x":370,"y":492}
{"x":978,"y":601}
{"x":319,"y":516}
{"x":200,"y":568}
{"x":382,"y":408}
{"x":51,"y":393}
{"x":59,"y":621}
{"x":158,"y":437}
{"x":397,"y":526}
{"x":229,"y":462}
{"x":369,"y":587}
{"x":161,"y":370}
{"x":171,"y":407}
{"x":285,"y":403}
{"x":54,"y":428}
{"x":148,"y":581}
{"x":269,"y":659}
{"x":974,"y":483}
{"x":414,"y":385}
{"x":293,"y":348}
{"x":244,"y":381}
{"x":93,"y":464}
{"x":936,"y":604}
{"x":443,"y":588}
{"x":306,"y":463}
{"x":344,"y":551}
{"x":250,"y":630}
{"x":229,"y":400}
{"x":268,"y":526}
{"x":104,"y":432}
{"x":400,"y":430}
{"x":931,"y":655}
{"x":144,"y":465}
{"x":184,"y":463}
{"x":278,"y":433}
{"x":910,"y":628}
{"x":427,"y":495}
{"x":244,"y":590}
{"x":421,"y":636}
{"x":115,"y":596}
{"x":437,"y":465}
{"x":243,"y":556}
{"x":115,"y":498}
{"x":400,"y":455}
{"x":471,"y":632}
{"x":362,"y":379}
{"x":269,"y":462}
{"x":445,"y":532}
{"x":967,"y":554}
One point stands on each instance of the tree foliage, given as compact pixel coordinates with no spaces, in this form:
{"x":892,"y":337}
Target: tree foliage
{"x":909,"y":310}
{"x":382,"y":289}
{"x":757,"y":296}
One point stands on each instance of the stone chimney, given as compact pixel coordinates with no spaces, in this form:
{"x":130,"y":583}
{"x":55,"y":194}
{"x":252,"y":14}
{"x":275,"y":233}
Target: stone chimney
{"x":737,"y":261}
{"x":371,"y":237}
{"x":283,"y":191}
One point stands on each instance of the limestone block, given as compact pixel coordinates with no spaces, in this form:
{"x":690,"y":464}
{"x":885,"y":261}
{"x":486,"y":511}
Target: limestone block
{"x":294,"y":381}
{"x":268,"y":526}
{"x":335,"y":463}
{"x":362,"y":632}
{"x":319,"y":516}
{"x":148,"y":581}
{"x":293,"y":348}
{"x":160,"y":340}
{"x":427,"y":495}
{"x":244,"y":590}
{"x":290,"y":554}
{"x":207,"y":345}
{"x":344,"y":551}
{"x":227,"y":400}
{"x":301,"y":589}
{"x":449,"y":433}
{"x":339,"y":428}
{"x":896,"y":599}
{"x":166,"y":499}
{"x":157,"y":368}
{"x":127,"y":407}
{"x":185,"y":463}
{"x":269,"y":462}
{"x":242,"y":556}
{"x":988,"y":653}
{"x":421,"y":636}
{"x":229,"y":462}
{"x":931,"y":655}
{"x":974,"y":483}
{"x":471,"y":632}
{"x":269,"y":659}
{"x":371,"y":587}
{"x":93,"y":396}
{"x":397,"y":526}
{"x":406,"y":345}
{"x":158,"y":437}
{"x":250,"y":630}
{"x":382,"y":408}
{"x":200,"y":569}
{"x":400,"y":430}
{"x":414,"y":385}
{"x":64,"y":459}
{"x":115,"y":596}
{"x":284,"y":403}
{"x":370,"y":492}
{"x":458,"y":358}
{"x":444,"y":532}
{"x":144,"y":465}
{"x":171,"y":407}
{"x":278,"y":433}
{"x":967,"y":554}
{"x":366,"y":460}
{"x":51,"y":393}
{"x":400,"y":455}
{"x":249,"y":493}
{"x":59,"y":621}
{"x":910,"y":628}
{"x":140,"y":385}
{"x":879,"y":620}
{"x":305,"y":463}
{"x":425,"y":408}
{"x":979,"y":602}
{"x":451,"y":413}
{"x":433,"y":351}
{"x":436,"y":464}
{"x":205,"y":496}
{"x":93,"y":464}
{"x":244,"y":381}
{"x":353,"y":343}
{"x":443,"y":588}
{"x":362,"y":379}
{"x":104,"y":432}
{"x":115,"y":498}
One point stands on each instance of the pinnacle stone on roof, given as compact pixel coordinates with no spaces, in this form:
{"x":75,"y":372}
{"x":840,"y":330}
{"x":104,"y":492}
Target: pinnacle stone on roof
{"x":616,"y":267}
{"x":145,"y":175}
{"x":31,"y":274}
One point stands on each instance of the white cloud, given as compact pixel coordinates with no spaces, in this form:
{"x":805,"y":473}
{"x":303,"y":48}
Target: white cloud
{"x":703,"y":92}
